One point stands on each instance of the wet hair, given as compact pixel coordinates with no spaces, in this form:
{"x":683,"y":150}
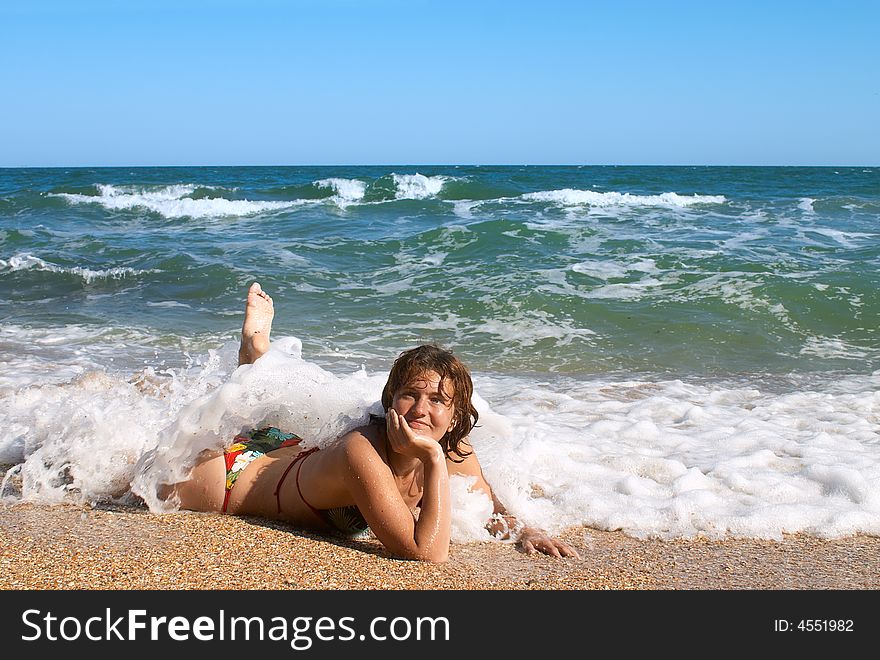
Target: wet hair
{"x":418,"y":361}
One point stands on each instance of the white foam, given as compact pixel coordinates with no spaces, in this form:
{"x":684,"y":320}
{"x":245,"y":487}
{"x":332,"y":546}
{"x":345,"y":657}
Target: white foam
{"x":393,"y":287}
{"x":464,"y":208}
{"x":572,"y":197}
{"x":609,"y":269}
{"x":806,"y":204}
{"x":26,"y":261}
{"x":625,"y":290}
{"x":280,"y":389}
{"x":665,"y":458}
{"x":603,"y":270}
{"x":418,"y":186}
{"x":848,"y":239}
{"x":677,"y":460}
{"x":557,"y":282}
{"x":533,"y":327}
{"x":348,"y":191}
{"x":173,"y":202}
{"x":56,"y":355}
{"x":732,"y":244}
{"x":169,"y":304}
{"x":735,"y":288}
{"x":434,"y":258}
{"x":471,"y":509}
{"x":832,"y":347}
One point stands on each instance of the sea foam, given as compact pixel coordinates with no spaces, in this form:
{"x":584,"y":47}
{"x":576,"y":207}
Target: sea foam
{"x":571,"y":197}
{"x":348,"y":191}
{"x":673,"y":459}
{"x":174,"y":202}
{"x":418,"y":186}
{"x":25,"y":261}
{"x":665,"y":459}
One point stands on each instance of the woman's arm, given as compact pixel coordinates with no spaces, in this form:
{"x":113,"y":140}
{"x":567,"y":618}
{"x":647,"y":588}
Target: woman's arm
{"x":532,"y":539}
{"x":371,"y":483}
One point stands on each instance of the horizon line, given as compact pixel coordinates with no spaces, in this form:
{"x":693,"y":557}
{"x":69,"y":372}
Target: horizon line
{"x":48,"y":167}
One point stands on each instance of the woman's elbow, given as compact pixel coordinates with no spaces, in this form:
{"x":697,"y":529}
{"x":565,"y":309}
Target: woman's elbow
{"x":434,"y":555}
{"x":434,"y":558}
{"x":438,"y":558}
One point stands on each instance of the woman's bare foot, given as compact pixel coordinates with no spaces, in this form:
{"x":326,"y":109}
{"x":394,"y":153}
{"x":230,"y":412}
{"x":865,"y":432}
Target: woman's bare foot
{"x":258,"y":314}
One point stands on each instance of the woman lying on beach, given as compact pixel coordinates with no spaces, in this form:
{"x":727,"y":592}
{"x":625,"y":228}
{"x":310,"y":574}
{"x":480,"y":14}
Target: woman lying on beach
{"x":375,"y":476}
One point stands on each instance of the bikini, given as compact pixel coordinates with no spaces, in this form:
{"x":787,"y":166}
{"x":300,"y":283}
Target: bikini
{"x":251,"y":446}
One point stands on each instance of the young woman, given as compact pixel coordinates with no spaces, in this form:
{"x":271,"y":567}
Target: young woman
{"x":375,"y":476}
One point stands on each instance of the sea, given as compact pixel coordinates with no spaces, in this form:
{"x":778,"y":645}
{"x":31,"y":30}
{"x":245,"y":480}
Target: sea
{"x":673,"y":352}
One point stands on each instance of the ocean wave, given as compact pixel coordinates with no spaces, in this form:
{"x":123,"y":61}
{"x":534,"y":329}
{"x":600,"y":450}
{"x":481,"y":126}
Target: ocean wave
{"x":189,"y":200}
{"x":848,"y":239}
{"x":832,"y":348}
{"x":30,"y":262}
{"x":572,"y":197}
{"x":173,"y":201}
{"x":348,"y":191}
{"x":608,"y":269}
{"x":418,"y":186}
{"x":806,"y":204}
{"x":740,"y":289}
{"x":529,"y":330}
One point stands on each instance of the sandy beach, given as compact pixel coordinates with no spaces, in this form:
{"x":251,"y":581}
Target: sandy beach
{"x":72,"y":547}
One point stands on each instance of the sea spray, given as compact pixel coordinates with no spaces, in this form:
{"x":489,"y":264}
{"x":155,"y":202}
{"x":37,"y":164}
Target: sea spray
{"x":280,"y":389}
{"x":78,"y":441}
{"x":174,"y":202}
{"x":662,"y":458}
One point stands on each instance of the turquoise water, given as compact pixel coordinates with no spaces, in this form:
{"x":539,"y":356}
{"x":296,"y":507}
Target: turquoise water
{"x":674,"y":271}
{"x":670,"y":351}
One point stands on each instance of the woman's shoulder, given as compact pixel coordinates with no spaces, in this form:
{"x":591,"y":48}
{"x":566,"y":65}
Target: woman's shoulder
{"x":367,"y":438}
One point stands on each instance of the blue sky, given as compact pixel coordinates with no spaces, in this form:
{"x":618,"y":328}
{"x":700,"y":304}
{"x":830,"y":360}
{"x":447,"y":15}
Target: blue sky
{"x":327,"y":82}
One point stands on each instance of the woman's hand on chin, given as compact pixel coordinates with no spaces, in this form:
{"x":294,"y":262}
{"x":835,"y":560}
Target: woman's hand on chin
{"x":407,"y":442}
{"x":534,"y":540}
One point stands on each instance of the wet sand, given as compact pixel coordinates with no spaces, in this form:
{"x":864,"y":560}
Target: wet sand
{"x":70,"y":547}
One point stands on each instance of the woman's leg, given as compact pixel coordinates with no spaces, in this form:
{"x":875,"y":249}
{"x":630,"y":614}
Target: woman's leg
{"x":258,"y":314}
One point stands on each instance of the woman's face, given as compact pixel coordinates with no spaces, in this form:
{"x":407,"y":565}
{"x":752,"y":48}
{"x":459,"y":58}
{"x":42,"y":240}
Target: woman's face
{"x":427,"y":409}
